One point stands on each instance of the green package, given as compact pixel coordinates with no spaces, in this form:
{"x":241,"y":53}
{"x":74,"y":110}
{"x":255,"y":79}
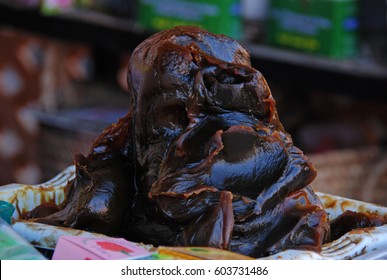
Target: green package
{"x":223,"y":17}
{"x":327,"y":27}
{"x":14,"y":247}
{"x":6,"y":211}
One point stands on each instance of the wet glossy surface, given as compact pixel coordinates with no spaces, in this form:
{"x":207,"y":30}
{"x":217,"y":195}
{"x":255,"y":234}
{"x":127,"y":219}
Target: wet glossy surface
{"x":201,"y":160}
{"x":349,"y":221}
{"x":99,"y":197}
{"x":368,"y":243}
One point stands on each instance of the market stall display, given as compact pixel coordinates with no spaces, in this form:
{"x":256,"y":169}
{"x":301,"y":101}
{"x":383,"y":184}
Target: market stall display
{"x":202,"y":147}
{"x":368,"y":243}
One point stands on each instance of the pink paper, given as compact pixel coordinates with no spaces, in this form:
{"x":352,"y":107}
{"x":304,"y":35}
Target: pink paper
{"x":81,"y":248}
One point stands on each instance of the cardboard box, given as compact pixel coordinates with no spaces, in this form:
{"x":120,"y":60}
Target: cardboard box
{"x":82,"y":248}
{"x":222,"y":17}
{"x":327,"y":27}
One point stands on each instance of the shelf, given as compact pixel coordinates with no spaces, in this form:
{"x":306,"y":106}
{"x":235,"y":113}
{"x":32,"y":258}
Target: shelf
{"x":117,"y":34}
{"x":102,"y":20}
{"x":359,"y":67}
{"x":100,"y":30}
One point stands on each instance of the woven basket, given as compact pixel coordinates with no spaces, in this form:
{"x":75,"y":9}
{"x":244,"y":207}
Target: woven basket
{"x":57,"y":147}
{"x":65,"y":133}
{"x":359,"y":174}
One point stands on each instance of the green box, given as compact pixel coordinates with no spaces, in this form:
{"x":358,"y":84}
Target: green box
{"x":223,"y":17}
{"x":327,"y":27}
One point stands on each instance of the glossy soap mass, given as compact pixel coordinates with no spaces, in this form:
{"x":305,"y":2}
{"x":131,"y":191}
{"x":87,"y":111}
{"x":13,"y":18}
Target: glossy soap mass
{"x":201,"y":159}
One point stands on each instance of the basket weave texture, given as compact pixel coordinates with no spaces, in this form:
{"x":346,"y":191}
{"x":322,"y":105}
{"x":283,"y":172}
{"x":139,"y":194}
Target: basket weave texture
{"x":357,"y":173}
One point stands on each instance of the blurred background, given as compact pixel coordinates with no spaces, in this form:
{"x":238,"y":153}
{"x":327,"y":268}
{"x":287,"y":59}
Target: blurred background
{"x":63,"y":78}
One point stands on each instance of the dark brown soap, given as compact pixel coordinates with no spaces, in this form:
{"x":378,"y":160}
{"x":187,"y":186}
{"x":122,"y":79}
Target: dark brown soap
{"x":201,"y":159}
{"x":350,"y":220}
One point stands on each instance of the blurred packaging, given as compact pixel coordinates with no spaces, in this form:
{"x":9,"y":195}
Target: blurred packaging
{"x":194,"y":253}
{"x":49,"y":7}
{"x":327,"y":27}
{"x":200,"y":253}
{"x":37,"y":72}
{"x":64,"y":64}
{"x":14,"y":247}
{"x":108,"y":248}
{"x":120,"y":8}
{"x":21,"y":63}
{"x":216,"y":16}
{"x":6,"y":211}
{"x":254,"y":14}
